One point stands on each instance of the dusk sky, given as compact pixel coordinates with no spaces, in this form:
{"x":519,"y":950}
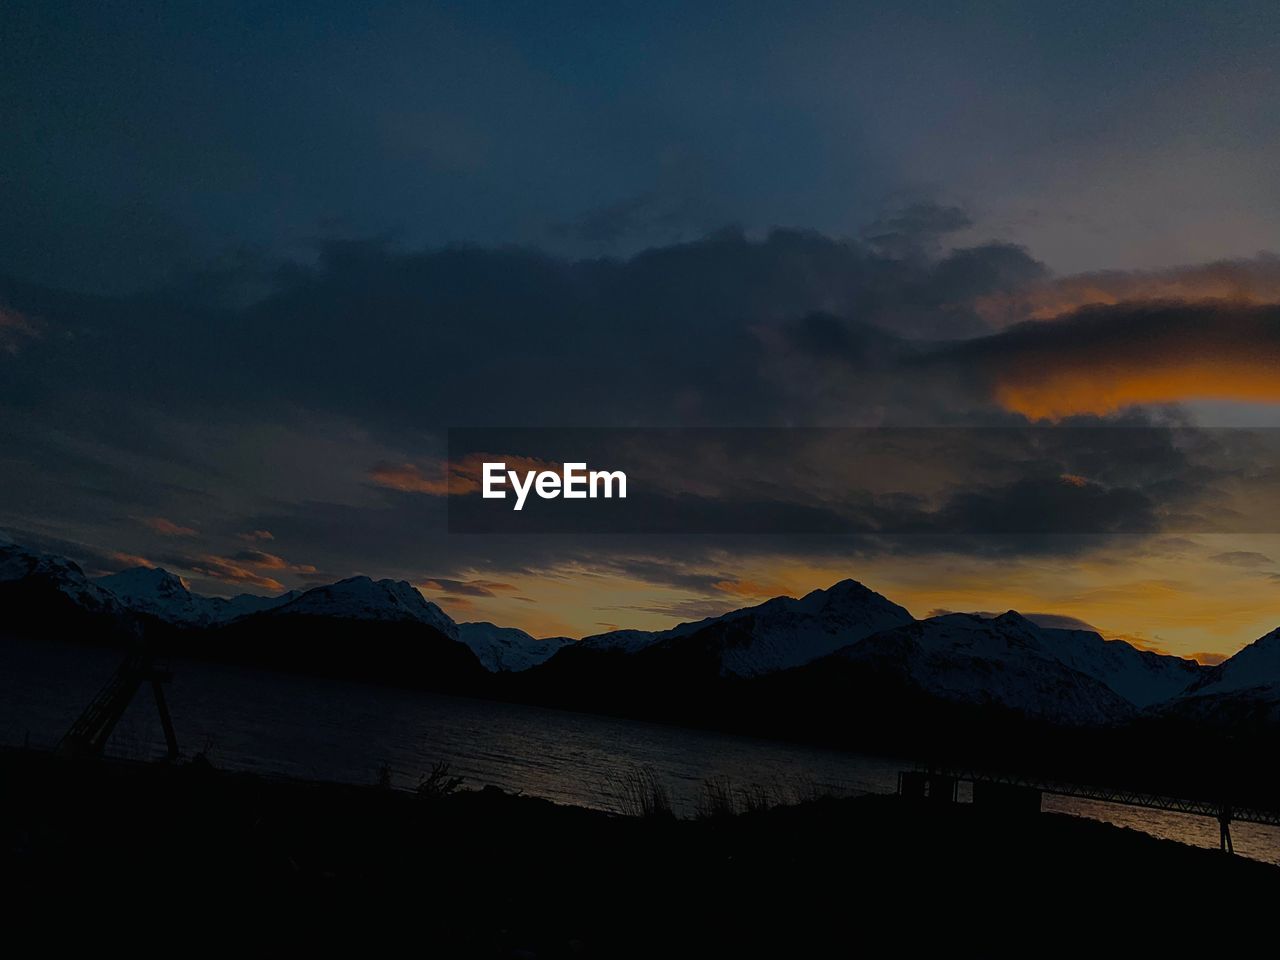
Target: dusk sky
{"x":255,"y":262}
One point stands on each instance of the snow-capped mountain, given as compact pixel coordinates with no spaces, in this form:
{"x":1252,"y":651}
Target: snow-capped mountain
{"x":162,"y":594}
{"x":361,"y":598}
{"x":507,"y":649}
{"x":629,"y":641}
{"x":775,"y":635}
{"x":1006,"y":662}
{"x":1065,"y":676}
{"x":1243,"y":690}
{"x":1256,"y":669}
{"x":19,"y":564}
{"x":1142,"y":677}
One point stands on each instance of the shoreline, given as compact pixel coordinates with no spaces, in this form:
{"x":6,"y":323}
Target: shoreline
{"x":492,"y":873}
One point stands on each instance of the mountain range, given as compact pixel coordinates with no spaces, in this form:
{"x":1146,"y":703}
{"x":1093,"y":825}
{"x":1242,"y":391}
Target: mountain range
{"x":846,"y":645}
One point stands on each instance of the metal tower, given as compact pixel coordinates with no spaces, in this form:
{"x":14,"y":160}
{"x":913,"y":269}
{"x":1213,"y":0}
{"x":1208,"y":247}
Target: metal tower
{"x":89,"y":734}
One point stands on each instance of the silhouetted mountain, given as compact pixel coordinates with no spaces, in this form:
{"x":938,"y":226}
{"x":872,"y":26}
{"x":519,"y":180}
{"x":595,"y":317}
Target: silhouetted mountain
{"x":818,"y":666}
{"x":379,"y":630}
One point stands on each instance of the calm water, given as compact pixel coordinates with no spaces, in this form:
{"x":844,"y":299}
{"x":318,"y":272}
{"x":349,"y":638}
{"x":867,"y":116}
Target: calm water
{"x":331,"y":730}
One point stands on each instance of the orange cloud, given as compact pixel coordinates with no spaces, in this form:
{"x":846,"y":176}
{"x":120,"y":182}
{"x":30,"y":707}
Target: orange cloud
{"x":127,"y":560}
{"x":269,"y":561}
{"x":410,"y":478}
{"x":221,"y":568}
{"x":165,"y":527}
{"x":456,"y":477}
{"x":1103,"y":359}
{"x":1106,"y":389}
{"x":1254,"y":281}
{"x":256,"y":535}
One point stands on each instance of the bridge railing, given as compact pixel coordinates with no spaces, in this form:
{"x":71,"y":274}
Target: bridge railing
{"x":1121,"y":795}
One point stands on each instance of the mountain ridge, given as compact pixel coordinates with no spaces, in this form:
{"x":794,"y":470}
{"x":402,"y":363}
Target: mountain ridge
{"x":1064,"y":675}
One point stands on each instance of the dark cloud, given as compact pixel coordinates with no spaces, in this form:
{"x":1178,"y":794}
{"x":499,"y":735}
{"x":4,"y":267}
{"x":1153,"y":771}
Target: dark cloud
{"x":1048,"y":506}
{"x":1238,"y":282}
{"x":16,"y":331}
{"x":174,"y":403}
{"x":376,"y":334}
{"x":682,"y":611}
{"x":469,"y":588}
{"x":1100,"y":360}
{"x":915,"y":229}
{"x":645,"y":220}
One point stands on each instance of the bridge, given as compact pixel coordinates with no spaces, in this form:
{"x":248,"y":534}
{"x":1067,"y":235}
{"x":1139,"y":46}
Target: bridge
{"x":1016,"y":793}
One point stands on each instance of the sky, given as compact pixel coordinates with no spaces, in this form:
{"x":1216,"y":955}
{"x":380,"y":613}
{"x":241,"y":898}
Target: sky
{"x":256,"y":259}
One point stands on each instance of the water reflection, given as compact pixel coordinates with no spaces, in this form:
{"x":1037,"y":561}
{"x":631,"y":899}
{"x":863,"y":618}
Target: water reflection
{"x":301,"y":727}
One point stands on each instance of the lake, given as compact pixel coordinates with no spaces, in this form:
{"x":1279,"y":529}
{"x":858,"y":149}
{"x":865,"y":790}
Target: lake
{"x":285,"y":725}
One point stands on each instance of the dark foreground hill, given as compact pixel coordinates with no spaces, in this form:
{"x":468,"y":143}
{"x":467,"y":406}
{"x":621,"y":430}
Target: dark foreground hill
{"x":188,"y":855}
{"x":388,"y":652}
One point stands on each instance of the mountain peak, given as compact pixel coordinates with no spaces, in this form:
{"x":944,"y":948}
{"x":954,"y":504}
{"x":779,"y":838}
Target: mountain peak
{"x":363,"y":598}
{"x":774,"y":635}
{"x":842,"y":594}
{"x":506,"y":649}
{"x":136,"y":581}
{"x":21,"y":563}
{"x":848,"y":587}
{"x":156,"y":591}
{"x":1255,"y":666}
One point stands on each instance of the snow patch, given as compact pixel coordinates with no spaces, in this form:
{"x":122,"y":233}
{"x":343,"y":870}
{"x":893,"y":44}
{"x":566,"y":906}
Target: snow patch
{"x":361,"y":598}
{"x":507,"y":649}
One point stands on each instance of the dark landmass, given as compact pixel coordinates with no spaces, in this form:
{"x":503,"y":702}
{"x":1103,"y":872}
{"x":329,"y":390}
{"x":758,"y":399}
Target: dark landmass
{"x":834,"y":702}
{"x":371,"y":651}
{"x":184,"y":854}
{"x":855,"y":710}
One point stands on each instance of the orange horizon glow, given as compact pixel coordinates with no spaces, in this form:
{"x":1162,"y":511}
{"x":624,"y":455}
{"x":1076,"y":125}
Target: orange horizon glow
{"x":1182,"y":603}
{"x":1046,"y":393}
